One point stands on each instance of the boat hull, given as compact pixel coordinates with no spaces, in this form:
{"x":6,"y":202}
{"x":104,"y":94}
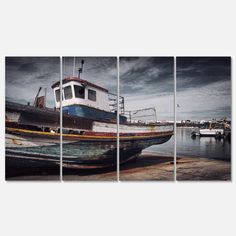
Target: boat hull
{"x":86,"y":150}
{"x":33,"y":134}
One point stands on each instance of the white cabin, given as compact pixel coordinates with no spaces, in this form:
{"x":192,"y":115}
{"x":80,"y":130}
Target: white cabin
{"x":76,"y":91}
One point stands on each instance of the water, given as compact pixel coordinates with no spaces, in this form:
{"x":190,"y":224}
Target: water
{"x":165,"y":149}
{"x":202,"y":147}
{"x":205,"y":147}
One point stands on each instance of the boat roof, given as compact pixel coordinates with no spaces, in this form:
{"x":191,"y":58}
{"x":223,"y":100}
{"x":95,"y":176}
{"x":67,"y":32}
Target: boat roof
{"x":77,"y":79}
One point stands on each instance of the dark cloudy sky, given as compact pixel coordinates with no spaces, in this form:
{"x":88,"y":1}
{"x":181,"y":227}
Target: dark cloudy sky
{"x":99,"y":70}
{"x":24,"y":75}
{"x":148,"y":82}
{"x":203,"y":87}
{"x":203,"y":83}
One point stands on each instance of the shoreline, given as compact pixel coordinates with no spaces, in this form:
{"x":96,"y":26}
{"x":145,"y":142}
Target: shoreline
{"x":184,"y":156}
{"x":149,"y":166}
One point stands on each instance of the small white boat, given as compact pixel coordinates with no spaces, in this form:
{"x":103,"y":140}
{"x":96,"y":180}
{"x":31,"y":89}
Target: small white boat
{"x":212,"y":128}
{"x":210,"y":132}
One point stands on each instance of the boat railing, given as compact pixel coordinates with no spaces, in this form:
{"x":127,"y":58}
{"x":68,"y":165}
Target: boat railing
{"x":113,"y":100}
{"x":144,"y":116}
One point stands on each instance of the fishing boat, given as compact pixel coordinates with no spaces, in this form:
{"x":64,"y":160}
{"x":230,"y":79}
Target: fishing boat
{"x":89,"y":130}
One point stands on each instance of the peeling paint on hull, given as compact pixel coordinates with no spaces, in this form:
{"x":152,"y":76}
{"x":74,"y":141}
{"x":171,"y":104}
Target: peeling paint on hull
{"x":85,"y":152}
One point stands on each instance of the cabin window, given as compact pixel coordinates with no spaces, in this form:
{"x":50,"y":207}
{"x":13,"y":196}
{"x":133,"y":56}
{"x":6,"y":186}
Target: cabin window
{"x":92,"y":95}
{"x":68,"y":92}
{"x":79,"y":91}
{"x":57,"y":92}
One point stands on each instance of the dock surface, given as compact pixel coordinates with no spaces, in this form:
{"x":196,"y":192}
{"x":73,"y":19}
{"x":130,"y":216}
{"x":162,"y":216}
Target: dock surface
{"x":148,"y":167}
{"x":193,"y":168}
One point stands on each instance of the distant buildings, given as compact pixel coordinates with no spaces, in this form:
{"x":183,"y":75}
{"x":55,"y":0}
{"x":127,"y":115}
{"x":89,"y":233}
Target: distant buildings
{"x":198,"y":123}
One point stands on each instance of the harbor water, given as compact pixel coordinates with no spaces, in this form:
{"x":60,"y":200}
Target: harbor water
{"x":199,"y":147}
{"x":205,"y":147}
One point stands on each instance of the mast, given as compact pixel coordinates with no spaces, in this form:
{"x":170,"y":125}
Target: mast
{"x":80,"y":70}
{"x":36,"y":98}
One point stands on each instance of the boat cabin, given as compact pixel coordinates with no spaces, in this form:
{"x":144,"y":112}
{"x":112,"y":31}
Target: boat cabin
{"x":81,"y":92}
{"x":84,"y":99}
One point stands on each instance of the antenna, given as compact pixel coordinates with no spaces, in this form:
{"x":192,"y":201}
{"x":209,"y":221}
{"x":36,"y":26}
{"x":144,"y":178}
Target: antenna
{"x":74,"y":67}
{"x":80,"y":70}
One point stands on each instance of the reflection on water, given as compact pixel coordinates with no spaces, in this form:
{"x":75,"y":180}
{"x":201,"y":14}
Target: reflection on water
{"x":206,"y":147}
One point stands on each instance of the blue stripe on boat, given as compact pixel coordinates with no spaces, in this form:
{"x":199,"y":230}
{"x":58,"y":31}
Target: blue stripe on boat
{"x":90,"y":112}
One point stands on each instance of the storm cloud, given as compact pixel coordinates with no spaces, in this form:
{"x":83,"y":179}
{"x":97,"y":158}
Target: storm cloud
{"x":148,"y":82}
{"x":203,"y":88}
{"x":24,"y":76}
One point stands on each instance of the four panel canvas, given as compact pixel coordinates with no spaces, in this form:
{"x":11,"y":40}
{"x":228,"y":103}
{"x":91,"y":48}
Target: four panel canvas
{"x":109,"y":118}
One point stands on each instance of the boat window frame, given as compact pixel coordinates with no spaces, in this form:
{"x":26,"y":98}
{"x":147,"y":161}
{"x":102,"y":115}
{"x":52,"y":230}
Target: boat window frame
{"x":81,"y":87}
{"x":57,"y":94}
{"x":65,"y":94}
{"x":94,"y":92}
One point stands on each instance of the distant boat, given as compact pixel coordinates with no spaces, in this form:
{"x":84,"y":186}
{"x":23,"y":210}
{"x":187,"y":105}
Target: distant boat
{"x":89,"y":128}
{"x":210,"y":132}
{"x":212,"y":128}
